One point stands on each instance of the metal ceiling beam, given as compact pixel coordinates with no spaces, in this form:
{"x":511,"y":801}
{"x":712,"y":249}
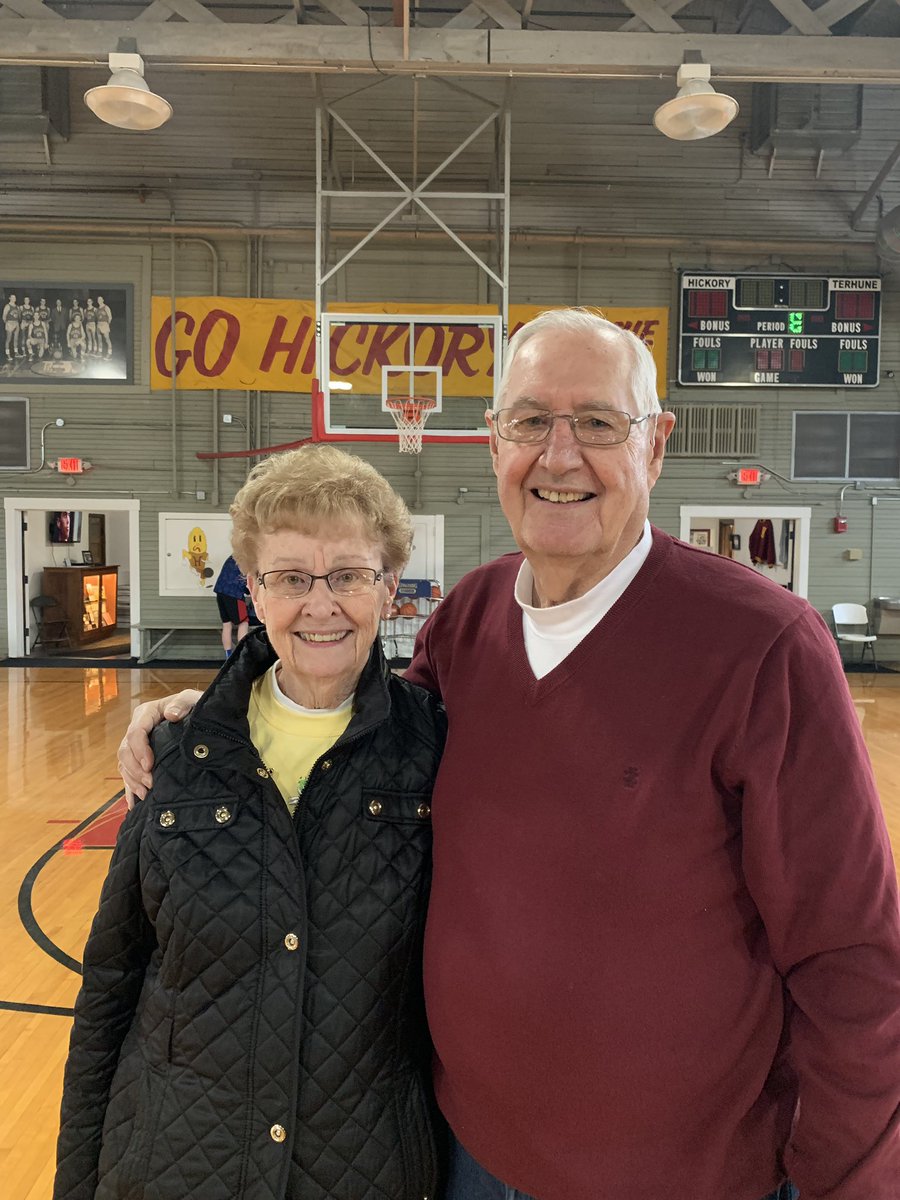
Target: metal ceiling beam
{"x":28,"y":9}
{"x":671,"y":7}
{"x":801,"y":17}
{"x":345,"y":10}
{"x":469,"y":17}
{"x":515,"y":53}
{"x":654,"y":16}
{"x":833,"y":11}
{"x":502,"y":12}
{"x":889,"y":163}
{"x":733,"y":18}
{"x":191,"y":11}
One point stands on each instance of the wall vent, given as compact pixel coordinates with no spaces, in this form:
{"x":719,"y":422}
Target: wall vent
{"x":796,"y":118}
{"x":34,"y":102}
{"x":715,"y":431}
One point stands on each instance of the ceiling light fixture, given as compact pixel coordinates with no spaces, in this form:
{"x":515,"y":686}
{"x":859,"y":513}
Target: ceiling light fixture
{"x":698,"y":111}
{"x":125,"y":100}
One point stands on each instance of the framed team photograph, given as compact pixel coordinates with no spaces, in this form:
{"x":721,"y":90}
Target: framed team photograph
{"x":66,"y":332}
{"x":701,"y":538}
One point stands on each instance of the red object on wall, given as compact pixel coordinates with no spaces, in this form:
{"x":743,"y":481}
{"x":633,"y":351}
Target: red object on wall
{"x":840,"y":524}
{"x":749,"y":475}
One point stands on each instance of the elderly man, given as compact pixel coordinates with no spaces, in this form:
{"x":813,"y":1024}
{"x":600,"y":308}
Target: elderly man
{"x":663,"y":947}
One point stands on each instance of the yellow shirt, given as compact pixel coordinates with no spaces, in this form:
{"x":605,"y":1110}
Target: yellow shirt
{"x":291,"y":738}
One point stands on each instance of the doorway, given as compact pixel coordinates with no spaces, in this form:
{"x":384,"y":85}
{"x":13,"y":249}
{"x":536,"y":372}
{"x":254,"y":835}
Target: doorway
{"x":789,"y":530}
{"x":97,"y":536}
{"x":29,"y":550}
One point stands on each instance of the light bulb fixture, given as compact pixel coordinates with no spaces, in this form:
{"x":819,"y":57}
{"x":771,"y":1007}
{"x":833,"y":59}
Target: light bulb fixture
{"x":698,"y":111}
{"x":125,"y":100}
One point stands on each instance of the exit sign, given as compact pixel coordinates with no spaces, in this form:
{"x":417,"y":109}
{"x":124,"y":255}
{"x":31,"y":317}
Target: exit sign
{"x":749,"y":475}
{"x":70,"y":466}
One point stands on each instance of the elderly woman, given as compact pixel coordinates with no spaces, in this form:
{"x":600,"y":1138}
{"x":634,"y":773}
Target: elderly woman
{"x":251,"y":1023}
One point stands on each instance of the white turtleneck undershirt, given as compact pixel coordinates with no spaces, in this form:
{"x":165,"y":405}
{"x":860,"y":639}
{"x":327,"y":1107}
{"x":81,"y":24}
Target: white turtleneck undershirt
{"x":551,"y":634}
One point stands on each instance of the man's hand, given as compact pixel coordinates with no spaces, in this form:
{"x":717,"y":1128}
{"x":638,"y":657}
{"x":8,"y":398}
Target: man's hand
{"x":135,"y":755}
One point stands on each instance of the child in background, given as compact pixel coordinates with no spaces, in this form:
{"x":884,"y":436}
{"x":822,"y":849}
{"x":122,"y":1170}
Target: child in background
{"x":231,"y":596}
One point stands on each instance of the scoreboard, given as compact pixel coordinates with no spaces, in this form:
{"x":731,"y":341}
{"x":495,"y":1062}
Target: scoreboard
{"x":779,"y":330}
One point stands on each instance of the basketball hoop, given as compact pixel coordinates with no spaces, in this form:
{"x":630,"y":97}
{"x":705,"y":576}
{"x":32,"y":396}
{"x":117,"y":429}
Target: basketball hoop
{"x":410,"y":415}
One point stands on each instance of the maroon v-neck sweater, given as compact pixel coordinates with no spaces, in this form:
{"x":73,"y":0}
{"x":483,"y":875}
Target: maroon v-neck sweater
{"x":663,"y":904}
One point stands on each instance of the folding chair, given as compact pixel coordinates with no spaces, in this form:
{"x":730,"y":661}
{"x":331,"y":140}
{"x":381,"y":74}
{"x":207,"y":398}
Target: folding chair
{"x":51,"y":630}
{"x":851,"y":625}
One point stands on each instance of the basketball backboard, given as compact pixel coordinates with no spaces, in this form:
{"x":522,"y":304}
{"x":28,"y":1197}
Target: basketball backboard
{"x":368,"y":359}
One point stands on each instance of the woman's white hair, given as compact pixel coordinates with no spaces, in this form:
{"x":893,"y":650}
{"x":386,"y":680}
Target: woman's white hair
{"x":589,"y":324}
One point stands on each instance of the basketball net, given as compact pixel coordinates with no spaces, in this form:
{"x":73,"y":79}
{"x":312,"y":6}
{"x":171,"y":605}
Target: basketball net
{"x":410,"y":416}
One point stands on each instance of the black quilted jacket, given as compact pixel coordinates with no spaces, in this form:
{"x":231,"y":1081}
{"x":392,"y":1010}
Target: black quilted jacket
{"x":251,"y":1024}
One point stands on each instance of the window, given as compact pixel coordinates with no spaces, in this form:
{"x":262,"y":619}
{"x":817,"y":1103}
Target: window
{"x":830,"y":445}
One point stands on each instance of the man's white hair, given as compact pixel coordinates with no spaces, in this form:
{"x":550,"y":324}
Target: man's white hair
{"x":588,"y":324}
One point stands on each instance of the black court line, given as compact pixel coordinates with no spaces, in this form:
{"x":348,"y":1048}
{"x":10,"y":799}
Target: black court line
{"x":26,"y":913}
{"x":47,"y":1009}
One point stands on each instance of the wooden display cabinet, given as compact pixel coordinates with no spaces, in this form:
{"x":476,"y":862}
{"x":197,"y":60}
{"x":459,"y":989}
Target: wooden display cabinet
{"x":87,"y":596}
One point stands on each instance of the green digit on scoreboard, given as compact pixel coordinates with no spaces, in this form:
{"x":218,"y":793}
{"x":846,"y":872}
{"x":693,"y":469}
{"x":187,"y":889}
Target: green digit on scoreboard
{"x":795,"y":322}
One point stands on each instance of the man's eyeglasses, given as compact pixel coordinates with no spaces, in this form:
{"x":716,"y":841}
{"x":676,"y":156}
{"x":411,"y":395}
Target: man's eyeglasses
{"x":345,"y":581}
{"x":591,"y":426}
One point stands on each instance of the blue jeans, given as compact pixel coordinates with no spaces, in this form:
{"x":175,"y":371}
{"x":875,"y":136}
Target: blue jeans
{"x":467,"y":1180}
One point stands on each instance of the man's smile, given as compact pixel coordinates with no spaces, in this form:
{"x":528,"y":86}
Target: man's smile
{"x":557,"y":497}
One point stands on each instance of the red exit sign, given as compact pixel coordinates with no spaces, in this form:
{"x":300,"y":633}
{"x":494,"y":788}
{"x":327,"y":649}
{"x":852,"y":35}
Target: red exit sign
{"x":749,"y":475}
{"x":70,"y":466}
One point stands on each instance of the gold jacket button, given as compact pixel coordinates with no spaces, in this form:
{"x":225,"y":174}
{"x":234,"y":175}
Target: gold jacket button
{"x":277,"y":1133}
{"x":201,"y":751}
{"x":262,"y":772}
{"x":291,"y":941}
{"x":326,"y":764}
{"x":167,"y":818}
{"x":223,"y":814}
{"x":376,"y":808}
{"x":423,"y":811}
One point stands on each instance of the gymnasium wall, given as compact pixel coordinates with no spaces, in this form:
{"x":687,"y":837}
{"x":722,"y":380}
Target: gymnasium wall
{"x":604,"y":212}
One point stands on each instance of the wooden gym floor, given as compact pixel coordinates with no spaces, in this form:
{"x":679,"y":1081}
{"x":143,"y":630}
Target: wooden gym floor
{"x":60,"y":810}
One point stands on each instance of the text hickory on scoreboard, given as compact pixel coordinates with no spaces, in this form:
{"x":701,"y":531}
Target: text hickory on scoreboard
{"x":779,"y":330}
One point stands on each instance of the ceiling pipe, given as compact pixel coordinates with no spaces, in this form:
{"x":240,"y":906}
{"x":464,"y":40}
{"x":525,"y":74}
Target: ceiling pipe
{"x":877,"y":76}
{"x":110,"y":231}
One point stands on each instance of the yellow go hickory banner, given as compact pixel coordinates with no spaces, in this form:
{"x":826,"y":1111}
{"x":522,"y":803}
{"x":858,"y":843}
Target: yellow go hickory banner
{"x":270,"y":345}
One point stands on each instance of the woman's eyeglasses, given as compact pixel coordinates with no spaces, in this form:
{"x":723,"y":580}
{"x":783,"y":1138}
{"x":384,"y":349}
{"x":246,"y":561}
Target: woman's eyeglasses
{"x":345,"y":581}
